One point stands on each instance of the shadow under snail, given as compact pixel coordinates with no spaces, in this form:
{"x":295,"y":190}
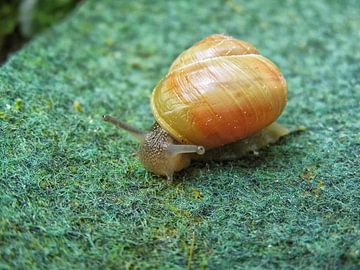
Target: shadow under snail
{"x":219,"y":100}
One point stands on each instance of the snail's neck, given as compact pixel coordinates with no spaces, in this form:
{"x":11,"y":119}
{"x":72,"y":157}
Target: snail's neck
{"x":158,"y":137}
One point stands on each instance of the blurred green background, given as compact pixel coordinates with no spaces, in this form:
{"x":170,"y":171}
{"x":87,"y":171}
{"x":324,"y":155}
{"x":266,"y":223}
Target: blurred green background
{"x":73,"y":196}
{"x":20,"y":20}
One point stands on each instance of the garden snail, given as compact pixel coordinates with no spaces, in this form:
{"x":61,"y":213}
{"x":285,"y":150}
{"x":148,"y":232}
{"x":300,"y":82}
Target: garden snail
{"x":220,"y":97}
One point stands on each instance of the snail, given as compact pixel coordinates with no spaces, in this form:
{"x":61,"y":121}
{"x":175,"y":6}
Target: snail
{"x":219,"y":100}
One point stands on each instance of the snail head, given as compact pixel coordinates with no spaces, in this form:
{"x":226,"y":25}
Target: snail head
{"x":158,"y":151}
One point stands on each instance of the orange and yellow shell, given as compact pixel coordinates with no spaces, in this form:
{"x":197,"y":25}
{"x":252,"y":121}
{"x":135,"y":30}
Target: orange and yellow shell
{"x":218,"y":91}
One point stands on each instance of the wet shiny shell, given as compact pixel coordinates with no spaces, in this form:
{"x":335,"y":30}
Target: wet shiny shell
{"x":217,"y":92}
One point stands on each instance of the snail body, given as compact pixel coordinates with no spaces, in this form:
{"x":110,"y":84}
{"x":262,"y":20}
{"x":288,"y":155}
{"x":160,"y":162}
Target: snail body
{"x":220,"y":97}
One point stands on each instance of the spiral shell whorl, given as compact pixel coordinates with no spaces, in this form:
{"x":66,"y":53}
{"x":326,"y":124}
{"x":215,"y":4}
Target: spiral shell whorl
{"x":210,"y":47}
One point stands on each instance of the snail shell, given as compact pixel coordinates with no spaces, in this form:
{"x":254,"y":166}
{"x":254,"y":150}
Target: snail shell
{"x":219,"y":91}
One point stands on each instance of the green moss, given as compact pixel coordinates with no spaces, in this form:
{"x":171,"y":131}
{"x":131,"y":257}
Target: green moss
{"x":72,"y":195}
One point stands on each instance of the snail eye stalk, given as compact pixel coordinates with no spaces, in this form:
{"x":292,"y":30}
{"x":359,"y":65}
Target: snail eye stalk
{"x":137,"y":133}
{"x":175,"y":149}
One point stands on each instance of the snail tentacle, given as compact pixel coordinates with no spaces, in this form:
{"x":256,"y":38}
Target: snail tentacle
{"x":137,"y":133}
{"x":175,"y":149}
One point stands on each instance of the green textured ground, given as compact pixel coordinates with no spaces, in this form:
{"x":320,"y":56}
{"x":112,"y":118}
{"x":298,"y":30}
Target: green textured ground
{"x":73,"y":196}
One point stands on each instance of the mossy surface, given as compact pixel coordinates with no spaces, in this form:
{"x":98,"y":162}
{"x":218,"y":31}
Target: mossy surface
{"x":72,"y":195}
